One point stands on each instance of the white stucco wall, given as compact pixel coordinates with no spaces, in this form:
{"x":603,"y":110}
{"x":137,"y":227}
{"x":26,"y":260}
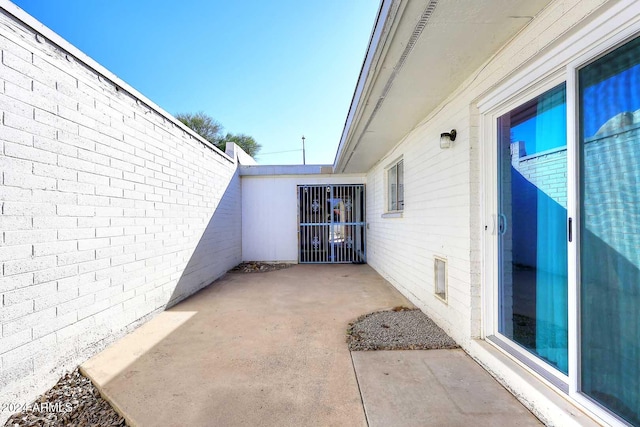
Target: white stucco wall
{"x":270,"y":213}
{"x":110,"y":209}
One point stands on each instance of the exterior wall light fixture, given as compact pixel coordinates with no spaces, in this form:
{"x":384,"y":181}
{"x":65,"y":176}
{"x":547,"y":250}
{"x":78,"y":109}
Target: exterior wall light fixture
{"x":447,"y":138}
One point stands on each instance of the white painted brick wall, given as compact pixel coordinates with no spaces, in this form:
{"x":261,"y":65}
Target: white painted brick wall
{"x":442,"y":187}
{"x":109,"y":211}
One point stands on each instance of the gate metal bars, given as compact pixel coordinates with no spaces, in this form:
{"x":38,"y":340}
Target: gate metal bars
{"x":332,"y":224}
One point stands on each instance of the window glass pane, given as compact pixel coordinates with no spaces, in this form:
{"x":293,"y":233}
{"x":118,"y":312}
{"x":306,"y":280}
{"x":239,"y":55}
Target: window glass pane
{"x":609,"y":102}
{"x":401,"y":185}
{"x":393,"y":195}
{"x":532,"y":229}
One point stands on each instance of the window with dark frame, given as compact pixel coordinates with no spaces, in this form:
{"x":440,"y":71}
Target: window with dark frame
{"x":395,"y":187}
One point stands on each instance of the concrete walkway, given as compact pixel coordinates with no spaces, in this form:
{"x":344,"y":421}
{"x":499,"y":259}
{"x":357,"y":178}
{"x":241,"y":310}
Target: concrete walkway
{"x":269,"y":349}
{"x":434,"y":388}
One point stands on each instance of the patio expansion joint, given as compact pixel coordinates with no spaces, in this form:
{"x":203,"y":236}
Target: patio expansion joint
{"x":355,"y":373}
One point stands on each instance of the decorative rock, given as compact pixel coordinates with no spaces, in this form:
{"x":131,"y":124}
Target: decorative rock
{"x":73,"y":401}
{"x":399,"y":329}
{"x":258,"y":267}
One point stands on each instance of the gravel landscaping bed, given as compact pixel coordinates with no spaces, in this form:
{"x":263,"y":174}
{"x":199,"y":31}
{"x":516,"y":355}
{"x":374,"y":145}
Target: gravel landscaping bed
{"x":258,"y":267}
{"x":73,"y":401}
{"x":398,"y":329}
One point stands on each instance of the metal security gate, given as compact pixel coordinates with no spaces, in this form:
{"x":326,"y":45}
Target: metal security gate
{"x":332,"y":223}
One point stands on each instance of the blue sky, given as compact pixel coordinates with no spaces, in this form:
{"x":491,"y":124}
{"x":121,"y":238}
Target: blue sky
{"x":274,"y":70}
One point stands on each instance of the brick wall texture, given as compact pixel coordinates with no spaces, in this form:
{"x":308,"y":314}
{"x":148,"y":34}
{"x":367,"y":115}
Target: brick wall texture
{"x":546,"y":171}
{"x":611,"y":197}
{"x":442,"y":188}
{"x":109,"y":211}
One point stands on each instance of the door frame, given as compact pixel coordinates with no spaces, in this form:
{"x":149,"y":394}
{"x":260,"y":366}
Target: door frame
{"x":611,"y":28}
{"x":491,"y":236}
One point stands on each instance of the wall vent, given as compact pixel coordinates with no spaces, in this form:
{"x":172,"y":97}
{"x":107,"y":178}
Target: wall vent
{"x":440,"y":277}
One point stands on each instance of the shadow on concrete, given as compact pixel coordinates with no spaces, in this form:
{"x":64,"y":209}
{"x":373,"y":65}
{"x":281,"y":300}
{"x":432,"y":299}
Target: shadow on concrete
{"x":251,"y":349}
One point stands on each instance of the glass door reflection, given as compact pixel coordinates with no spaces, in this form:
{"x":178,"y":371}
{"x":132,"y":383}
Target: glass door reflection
{"x":532,"y":227}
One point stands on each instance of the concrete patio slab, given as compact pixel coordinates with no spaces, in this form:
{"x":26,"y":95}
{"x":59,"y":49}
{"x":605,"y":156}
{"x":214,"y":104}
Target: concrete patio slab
{"x":433,"y":388}
{"x":251,"y":349}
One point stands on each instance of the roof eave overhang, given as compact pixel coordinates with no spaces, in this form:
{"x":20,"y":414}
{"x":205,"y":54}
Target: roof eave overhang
{"x":419,"y":52}
{"x":380,"y":34}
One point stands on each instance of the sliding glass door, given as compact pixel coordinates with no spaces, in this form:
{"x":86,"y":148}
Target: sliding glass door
{"x":567,"y":232}
{"x":609,"y":250}
{"x":532,"y":230}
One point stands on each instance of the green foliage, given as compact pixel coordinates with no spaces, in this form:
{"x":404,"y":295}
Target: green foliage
{"x":246,"y":142}
{"x":203,"y":124}
{"x":211,"y":130}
